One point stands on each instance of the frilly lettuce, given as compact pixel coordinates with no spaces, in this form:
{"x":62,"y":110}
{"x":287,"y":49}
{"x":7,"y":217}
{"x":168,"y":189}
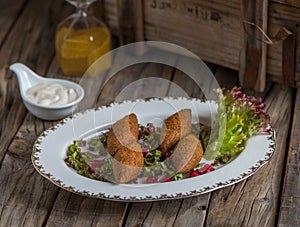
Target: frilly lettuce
{"x":239,"y":117}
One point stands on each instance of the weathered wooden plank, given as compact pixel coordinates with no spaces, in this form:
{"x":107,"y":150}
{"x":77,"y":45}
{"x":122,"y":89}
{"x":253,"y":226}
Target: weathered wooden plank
{"x":130,"y":21}
{"x":26,"y":198}
{"x":288,"y":58}
{"x":193,"y":211}
{"x":263,"y":94}
{"x":294,"y":3}
{"x":281,"y":15}
{"x":136,"y":81}
{"x":163,"y":213}
{"x":182,"y":39}
{"x":118,"y":82}
{"x":74,"y":210}
{"x":183,"y":86}
{"x":153,"y":83}
{"x":139,"y":20}
{"x":254,"y":202}
{"x":159,"y":16}
{"x":252,"y":69}
{"x":9,"y":12}
{"x":213,"y":19}
{"x":12,"y":112}
{"x":204,"y":81}
{"x":111,"y":15}
{"x":226,"y":78}
{"x":137,"y":214}
{"x":289,"y":214}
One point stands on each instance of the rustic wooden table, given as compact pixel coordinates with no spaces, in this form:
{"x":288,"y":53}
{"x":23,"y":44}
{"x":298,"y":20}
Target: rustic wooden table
{"x":268,"y":198}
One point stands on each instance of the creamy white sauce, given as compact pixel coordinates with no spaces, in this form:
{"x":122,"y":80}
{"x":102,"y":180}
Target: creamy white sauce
{"x":51,"y":94}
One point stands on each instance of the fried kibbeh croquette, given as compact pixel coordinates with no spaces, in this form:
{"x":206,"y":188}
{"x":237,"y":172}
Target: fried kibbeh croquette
{"x":187,"y":153}
{"x":175,"y":127}
{"x":124,"y":131}
{"x":127,"y":163}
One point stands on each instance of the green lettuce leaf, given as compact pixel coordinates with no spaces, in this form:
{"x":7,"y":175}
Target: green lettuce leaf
{"x":239,"y":117}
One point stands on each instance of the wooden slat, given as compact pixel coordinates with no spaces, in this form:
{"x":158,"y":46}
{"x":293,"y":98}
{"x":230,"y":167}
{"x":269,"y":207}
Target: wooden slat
{"x":74,"y":210}
{"x":163,"y":213}
{"x":26,"y":198}
{"x":193,"y":211}
{"x":130,"y":15}
{"x":294,"y":3}
{"x":253,"y":202}
{"x":118,"y":82}
{"x":281,"y":15}
{"x":289,"y":214}
{"x":137,"y":214}
{"x":9,"y":12}
{"x":213,"y":19}
{"x":111,"y":15}
{"x":138,"y":16}
{"x":252,"y":69}
{"x":288,"y":58}
{"x":153,"y":82}
{"x":131,"y":83}
{"x":183,"y":86}
{"x":226,"y":78}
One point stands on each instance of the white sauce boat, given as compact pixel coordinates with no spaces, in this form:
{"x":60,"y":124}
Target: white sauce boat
{"x":27,"y":79}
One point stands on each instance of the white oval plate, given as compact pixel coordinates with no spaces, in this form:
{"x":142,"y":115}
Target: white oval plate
{"x":50,"y":148}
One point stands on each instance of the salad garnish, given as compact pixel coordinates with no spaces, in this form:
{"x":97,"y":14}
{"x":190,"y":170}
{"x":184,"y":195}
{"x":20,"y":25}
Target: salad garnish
{"x":239,"y":117}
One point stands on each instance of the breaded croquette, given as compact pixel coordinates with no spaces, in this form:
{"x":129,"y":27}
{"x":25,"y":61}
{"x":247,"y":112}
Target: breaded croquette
{"x":175,"y":127}
{"x":187,"y":153}
{"x":128,"y":163}
{"x":124,"y":131}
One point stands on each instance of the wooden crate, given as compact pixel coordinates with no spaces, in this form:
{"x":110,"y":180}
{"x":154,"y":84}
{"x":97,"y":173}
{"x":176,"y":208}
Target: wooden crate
{"x":218,"y":32}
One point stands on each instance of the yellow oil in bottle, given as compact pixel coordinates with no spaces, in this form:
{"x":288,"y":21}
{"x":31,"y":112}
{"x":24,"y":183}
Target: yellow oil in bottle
{"x":77,"y":50}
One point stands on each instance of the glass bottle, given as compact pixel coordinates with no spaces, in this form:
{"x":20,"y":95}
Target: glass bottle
{"x":80,"y":39}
